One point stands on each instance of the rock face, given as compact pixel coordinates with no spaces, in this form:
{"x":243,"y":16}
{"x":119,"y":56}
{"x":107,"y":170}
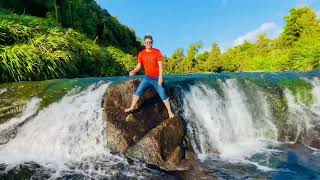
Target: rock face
{"x":310,"y":138}
{"x":161,"y":145}
{"x":125,"y":129}
{"x":146,"y":134}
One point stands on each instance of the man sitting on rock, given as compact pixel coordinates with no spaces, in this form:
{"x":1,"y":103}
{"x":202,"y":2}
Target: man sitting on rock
{"x":151,"y":59}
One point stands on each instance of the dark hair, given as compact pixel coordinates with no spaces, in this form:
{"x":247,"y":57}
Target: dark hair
{"x":148,"y":37}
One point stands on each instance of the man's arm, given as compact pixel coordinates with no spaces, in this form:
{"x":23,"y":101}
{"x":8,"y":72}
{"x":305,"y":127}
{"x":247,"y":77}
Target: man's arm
{"x":160,"y":79}
{"x":135,"y":70}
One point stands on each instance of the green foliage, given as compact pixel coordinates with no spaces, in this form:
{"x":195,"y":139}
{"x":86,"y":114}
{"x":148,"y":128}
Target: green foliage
{"x":126,"y":60}
{"x":305,"y":54}
{"x":299,"y":21}
{"x":68,"y":43}
{"x":172,"y":65}
{"x":297,"y":49}
{"x":85,"y":16}
{"x":36,"y":49}
{"x":189,"y":63}
{"x":214,"y":58}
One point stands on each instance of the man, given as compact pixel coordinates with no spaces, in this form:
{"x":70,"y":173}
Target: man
{"x":151,"y":59}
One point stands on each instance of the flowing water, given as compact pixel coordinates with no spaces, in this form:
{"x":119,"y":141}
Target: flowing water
{"x":241,"y":126}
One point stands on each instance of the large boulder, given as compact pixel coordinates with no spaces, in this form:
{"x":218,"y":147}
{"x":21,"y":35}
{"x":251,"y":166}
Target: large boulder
{"x":161,"y":145}
{"x":147,"y":134}
{"x":125,"y":129}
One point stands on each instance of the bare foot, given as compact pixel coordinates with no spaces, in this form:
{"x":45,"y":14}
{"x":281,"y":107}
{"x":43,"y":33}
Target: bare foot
{"x":129,"y":109}
{"x":171,"y":115}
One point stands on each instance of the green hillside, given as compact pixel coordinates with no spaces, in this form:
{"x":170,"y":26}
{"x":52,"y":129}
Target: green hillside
{"x":33,"y":47}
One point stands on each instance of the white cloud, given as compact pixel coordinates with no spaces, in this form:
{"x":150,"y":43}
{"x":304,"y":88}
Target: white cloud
{"x":301,"y":3}
{"x":270,"y":28}
{"x":318,"y":13}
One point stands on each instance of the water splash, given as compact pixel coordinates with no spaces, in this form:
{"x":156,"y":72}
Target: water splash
{"x":225,"y":123}
{"x":70,"y":130}
{"x":301,"y":116}
{"x":67,"y":138}
{"x":8,"y":129}
{"x":3,"y":90}
{"x":316,"y":97}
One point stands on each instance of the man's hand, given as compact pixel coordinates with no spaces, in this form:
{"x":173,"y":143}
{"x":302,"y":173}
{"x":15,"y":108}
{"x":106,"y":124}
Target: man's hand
{"x":132,"y":73}
{"x":160,"y":81}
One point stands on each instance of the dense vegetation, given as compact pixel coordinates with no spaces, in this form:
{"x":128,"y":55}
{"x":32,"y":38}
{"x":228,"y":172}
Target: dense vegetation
{"x":296,"y":49}
{"x":85,"y":16}
{"x":76,"y":38}
{"x":37,"y":48}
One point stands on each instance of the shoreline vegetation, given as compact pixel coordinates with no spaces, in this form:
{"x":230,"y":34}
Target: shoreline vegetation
{"x":77,"y":38}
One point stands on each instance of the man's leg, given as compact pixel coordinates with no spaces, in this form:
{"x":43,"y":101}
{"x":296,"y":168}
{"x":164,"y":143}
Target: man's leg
{"x":140,"y":90}
{"x":163,"y":95}
{"x":167,"y":104}
{"x":135,"y":99}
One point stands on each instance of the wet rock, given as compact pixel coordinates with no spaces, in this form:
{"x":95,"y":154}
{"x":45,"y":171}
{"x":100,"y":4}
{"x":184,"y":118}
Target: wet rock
{"x":311,"y":138}
{"x":161,"y":145}
{"x":125,"y":129}
{"x":11,"y":110}
{"x":197,"y":170}
{"x":147,"y":134}
{"x":7,"y":134}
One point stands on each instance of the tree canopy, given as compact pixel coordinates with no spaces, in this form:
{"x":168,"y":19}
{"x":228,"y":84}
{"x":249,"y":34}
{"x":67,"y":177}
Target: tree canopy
{"x":296,"y":49}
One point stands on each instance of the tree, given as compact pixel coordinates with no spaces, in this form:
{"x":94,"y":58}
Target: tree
{"x":189,"y":63}
{"x":299,"y":20}
{"x":173,"y":63}
{"x":212,"y":64}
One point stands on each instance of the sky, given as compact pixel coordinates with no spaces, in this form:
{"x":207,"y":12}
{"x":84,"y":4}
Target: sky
{"x":177,"y":24}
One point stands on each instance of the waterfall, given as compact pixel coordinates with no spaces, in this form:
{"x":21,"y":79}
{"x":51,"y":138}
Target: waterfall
{"x":9,"y":129}
{"x":236,"y":120}
{"x":304,"y":117}
{"x":225,"y":122}
{"x":67,"y":137}
{"x":70,"y":130}
{"x":228,"y":120}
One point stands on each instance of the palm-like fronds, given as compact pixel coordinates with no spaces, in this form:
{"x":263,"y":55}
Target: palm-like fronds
{"x":306,"y":54}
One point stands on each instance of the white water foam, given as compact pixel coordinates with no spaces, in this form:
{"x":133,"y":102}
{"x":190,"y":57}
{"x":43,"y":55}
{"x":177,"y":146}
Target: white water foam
{"x":31,"y":108}
{"x":303,"y":116}
{"x":3,"y":90}
{"x":68,"y":131}
{"x":316,"y":96}
{"x":226,"y":123}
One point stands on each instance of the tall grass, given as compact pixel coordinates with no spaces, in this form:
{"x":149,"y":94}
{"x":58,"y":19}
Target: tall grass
{"x":36,"y":49}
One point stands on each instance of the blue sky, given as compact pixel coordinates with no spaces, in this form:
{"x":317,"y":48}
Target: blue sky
{"x":176,"y":24}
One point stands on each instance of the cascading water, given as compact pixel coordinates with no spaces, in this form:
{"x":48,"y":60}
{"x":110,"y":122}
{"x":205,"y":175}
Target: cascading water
{"x":238,"y":124}
{"x":9,"y":129}
{"x":304,"y":116}
{"x":225,"y":122}
{"x":235,"y":121}
{"x":68,"y":130}
{"x":65,"y":138}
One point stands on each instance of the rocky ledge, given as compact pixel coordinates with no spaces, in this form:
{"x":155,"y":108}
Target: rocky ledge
{"x":146,"y":134}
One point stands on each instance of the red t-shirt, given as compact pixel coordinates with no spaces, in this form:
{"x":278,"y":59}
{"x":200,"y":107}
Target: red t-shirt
{"x":150,"y":61}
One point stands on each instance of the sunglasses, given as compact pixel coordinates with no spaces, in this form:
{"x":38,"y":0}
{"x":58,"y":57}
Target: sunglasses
{"x":148,"y":42}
